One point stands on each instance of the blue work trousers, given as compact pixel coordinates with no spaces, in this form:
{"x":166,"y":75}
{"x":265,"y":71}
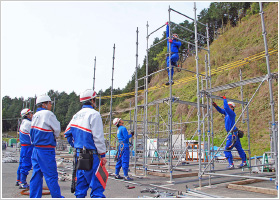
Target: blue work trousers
{"x":86,"y":179}
{"x":25,"y":164}
{"x":123,"y":161}
{"x":238,"y":147}
{"x":44,"y":164}
{"x":174,"y":59}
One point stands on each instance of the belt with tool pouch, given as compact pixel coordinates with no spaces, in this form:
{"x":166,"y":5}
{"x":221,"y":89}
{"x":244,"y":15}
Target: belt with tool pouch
{"x":85,"y":159}
{"x":91,"y":151}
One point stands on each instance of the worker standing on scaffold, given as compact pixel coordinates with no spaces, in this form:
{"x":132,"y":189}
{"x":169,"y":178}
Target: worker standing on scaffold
{"x":25,"y":164}
{"x":175,"y":45}
{"x":123,"y":149}
{"x":233,"y":138}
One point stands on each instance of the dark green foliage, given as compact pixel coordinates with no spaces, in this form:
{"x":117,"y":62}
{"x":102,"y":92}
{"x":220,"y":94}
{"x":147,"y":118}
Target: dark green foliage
{"x":64,"y":108}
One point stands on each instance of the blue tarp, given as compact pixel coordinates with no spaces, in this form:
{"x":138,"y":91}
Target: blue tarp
{"x":114,"y":152}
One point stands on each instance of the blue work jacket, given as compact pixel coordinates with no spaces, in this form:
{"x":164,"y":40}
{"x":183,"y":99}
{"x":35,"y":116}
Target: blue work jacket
{"x":123,"y":136}
{"x":175,"y":45}
{"x":229,"y":116}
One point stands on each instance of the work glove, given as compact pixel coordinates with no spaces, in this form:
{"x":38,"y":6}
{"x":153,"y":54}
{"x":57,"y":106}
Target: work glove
{"x":170,"y":40}
{"x":224,"y":97}
{"x":214,"y":104}
{"x":132,"y":133}
{"x":166,"y":23}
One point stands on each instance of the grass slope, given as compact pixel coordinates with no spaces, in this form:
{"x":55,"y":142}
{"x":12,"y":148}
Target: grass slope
{"x":235,"y":44}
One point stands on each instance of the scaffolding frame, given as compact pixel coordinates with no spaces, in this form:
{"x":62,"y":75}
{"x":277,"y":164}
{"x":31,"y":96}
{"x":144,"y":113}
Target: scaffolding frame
{"x":203,"y":93}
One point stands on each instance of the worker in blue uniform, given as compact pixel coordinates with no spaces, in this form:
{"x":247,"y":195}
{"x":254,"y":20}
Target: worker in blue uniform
{"x":85,"y":133}
{"x":25,"y":164}
{"x":232,"y":139}
{"x":123,"y":149}
{"x":44,"y":130}
{"x":174,"y":48}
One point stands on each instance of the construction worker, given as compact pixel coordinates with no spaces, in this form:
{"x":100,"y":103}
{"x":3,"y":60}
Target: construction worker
{"x":44,"y":130}
{"x":123,"y":149}
{"x":175,"y":45}
{"x":25,"y":164}
{"x":233,"y":139}
{"x":85,"y":133}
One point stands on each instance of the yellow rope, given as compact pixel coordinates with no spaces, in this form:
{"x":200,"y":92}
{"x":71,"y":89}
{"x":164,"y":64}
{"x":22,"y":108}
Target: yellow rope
{"x":229,"y":66}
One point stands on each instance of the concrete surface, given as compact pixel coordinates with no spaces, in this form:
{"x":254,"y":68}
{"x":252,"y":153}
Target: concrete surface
{"x":117,"y":188}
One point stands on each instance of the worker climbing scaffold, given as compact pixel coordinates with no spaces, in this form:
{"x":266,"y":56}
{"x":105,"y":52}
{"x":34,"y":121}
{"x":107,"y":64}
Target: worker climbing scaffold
{"x":174,"y":54}
{"x":233,"y":139}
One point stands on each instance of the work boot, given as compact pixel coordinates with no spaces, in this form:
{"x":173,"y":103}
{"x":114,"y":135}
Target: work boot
{"x":23,"y":186}
{"x":230,"y":167}
{"x":17,"y":183}
{"x":242,"y":165}
{"x":127,"y":178}
{"x":118,"y":177}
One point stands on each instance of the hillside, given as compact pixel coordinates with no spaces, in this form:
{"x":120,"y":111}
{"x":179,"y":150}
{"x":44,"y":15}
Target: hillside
{"x":235,"y":44}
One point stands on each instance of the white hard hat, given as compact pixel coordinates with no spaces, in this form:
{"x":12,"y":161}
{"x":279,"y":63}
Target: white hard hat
{"x":25,"y":111}
{"x":43,"y":98}
{"x":116,"y":121}
{"x":87,"y":95}
{"x":231,"y":103}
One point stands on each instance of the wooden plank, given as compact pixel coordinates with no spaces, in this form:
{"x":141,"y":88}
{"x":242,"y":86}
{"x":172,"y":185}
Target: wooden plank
{"x":167,"y":175}
{"x":183,"y":175}
{"x":248,"y":181}
{"x":157,"y":164}
{"x":253,"y":189}
{"x":157,"y":174}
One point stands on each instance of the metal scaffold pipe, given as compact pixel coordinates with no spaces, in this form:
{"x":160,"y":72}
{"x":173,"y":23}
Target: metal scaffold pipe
{"x":248,"y":136}
{"x":274,"y":131}
{"x":94,"y":73}
{"x":198,"y":95}
{"x":210,"y":86}
{"x":99,"y":108}
{"x":241,"y":93}
{"x":170,"y":104}
{"x":146,"y":106}
{"x":111,"y":103}
{"x":136,"y":102}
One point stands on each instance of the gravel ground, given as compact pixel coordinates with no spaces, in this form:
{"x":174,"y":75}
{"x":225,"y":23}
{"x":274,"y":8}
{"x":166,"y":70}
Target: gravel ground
{"x":118,"y":188}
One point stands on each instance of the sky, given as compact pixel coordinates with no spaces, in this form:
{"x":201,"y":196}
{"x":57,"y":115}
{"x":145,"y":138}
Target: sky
{"x":52,"y":45}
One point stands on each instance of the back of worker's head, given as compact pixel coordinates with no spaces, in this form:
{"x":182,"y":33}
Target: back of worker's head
{"x":42,"y":99}
{"x":25,"y":112}
{"x":87,"y":96}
